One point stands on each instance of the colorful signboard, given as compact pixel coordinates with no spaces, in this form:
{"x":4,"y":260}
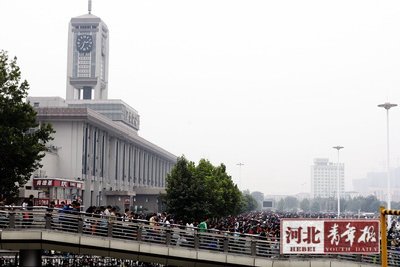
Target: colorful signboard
{"x":303,"y":236}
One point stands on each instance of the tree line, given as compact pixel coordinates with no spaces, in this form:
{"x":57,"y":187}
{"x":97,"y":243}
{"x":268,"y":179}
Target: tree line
{"x":355,"y":204}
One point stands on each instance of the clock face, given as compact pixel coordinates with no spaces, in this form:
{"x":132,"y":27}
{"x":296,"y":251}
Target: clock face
{"x":84,"y":43}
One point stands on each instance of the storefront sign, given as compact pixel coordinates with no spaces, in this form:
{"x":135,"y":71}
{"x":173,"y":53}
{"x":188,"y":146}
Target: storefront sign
{"x":59,"y":183}
{"x":329,"y":236}
{"x":43,"y":182}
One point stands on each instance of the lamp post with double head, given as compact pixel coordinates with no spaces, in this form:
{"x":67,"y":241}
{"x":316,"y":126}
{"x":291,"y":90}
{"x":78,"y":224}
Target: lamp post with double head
{"x":387,"y":106}
{"x":338,"y":180}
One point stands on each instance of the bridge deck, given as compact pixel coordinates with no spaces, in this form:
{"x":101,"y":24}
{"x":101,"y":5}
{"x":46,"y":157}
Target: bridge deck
{"x":173,"y":245}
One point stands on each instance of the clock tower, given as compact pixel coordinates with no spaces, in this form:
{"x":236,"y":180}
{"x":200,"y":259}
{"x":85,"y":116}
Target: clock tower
{"x":87,"y":70}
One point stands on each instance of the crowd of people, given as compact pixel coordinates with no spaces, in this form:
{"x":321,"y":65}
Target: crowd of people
{"x":264,"y":223}
{"x":260,"y":223}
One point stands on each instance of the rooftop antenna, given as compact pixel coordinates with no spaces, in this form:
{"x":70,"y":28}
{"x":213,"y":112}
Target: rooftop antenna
{"x":90,"y":6}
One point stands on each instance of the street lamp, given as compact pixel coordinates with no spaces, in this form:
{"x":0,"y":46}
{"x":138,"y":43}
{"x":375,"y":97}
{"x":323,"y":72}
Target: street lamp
{"x":387,"y":106}
{"x":338,"y":180}
{"x":240,"y":173}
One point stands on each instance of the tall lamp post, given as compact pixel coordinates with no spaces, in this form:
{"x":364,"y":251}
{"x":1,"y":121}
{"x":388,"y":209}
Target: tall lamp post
{"x":240,"y":173}
{"x":338,"y":180}
{"x":387,"y":106}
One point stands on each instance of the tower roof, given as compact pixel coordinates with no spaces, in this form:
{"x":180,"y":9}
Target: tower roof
{"x":87,"y":16}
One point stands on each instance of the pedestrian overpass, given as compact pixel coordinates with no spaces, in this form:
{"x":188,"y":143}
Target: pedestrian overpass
{"x":37,"y":230}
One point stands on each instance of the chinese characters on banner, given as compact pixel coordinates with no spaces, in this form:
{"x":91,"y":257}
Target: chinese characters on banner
{"x":329,"y":236}
{"x":57,"y":183}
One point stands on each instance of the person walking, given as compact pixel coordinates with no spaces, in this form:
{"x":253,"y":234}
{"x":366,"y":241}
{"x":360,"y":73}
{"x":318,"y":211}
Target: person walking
{"x":29,"y":207}
{"x":203,"y":226}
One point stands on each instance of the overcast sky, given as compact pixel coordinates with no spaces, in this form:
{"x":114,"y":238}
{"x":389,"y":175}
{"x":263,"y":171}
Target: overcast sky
{"x":270,"y":84}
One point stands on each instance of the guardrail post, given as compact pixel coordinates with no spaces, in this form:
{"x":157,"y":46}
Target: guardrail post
{"x":110,"y":229}
{"x":48,"y":220}
{"x":253,"y":247}
{"x":168,"y":237}
{"x":226,"y":244}
{"x":11,"y":219}
{"x":196,"y":240}
{"x":80,"y":225}
{"x":384,"y":257}
{"x":139,"y":233}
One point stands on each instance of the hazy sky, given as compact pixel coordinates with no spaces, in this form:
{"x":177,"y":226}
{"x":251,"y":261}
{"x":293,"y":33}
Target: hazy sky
{"x":270,"y":84}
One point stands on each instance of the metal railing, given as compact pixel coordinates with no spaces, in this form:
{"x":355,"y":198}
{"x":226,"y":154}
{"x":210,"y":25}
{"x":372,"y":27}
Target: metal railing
{"x":165,"y":234}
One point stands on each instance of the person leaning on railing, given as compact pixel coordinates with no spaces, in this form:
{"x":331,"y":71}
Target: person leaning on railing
{"x":153,"y":220}
{"x":203,"y":226}
{"x":89,"y":222}
{"x":51,"y":206}
{"x":49,"y":212}
{"x":29,"y":206}
{"x":112,"y":216}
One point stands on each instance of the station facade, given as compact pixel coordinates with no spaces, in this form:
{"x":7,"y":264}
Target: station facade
{"x":97,"y":156}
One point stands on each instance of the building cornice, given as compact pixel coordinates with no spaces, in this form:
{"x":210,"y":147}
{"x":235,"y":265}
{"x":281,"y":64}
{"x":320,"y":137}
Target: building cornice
{"x":49,"y":114}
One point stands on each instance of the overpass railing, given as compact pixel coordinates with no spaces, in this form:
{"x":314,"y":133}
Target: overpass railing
{"x":170,"y":235}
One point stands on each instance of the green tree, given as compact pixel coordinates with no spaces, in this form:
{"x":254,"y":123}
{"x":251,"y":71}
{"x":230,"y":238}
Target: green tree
{"x":291,"y":203}
{"x":259,"y":197}
{"x":395,"y":205}
{"x":249,"y":203}
{"x":305,"y":204}
{"x":315,"y":205}
{"x":186,"y":192}
{"x":194,"y":192}
{"x":227,"y":193}
{"x":370,"y":204}
{"x":363,"y":204}
{"x":280,"y":206}
{"x":23,"y":140}
{"x":344,"y":204}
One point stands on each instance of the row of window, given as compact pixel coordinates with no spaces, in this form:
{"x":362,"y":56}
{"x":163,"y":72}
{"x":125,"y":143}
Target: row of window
{"x":117,"y":159}
{"x":86,"y":27}
{"x":84,"y":57}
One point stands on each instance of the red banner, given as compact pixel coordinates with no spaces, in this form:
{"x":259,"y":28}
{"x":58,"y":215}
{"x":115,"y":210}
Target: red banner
{"x":59,"y":183}
{"x":302,"y":236}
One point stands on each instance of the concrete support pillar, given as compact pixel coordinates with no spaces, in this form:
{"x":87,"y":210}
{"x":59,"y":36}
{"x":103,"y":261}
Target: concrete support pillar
{"x":30,"y":258}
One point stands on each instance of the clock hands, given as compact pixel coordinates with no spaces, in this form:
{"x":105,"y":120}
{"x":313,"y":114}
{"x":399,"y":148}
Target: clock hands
{"x":84,"y":43}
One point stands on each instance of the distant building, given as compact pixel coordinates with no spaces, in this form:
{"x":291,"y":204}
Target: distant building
{"x":259,"y":197}
{"x":268,"y":204}
{"x":301,"y":196}
{"x":375,"y":183}
{"x":275,"y":198}
{"x":351,"y":194}
{"x":324,"y":178}
{"x":97,"y":155}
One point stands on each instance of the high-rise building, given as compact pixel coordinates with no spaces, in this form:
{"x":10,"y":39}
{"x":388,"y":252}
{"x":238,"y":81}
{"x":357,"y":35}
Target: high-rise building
{"x":324,"y":178}
{"x":375,"y":183}
{"x":97,"y":155}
